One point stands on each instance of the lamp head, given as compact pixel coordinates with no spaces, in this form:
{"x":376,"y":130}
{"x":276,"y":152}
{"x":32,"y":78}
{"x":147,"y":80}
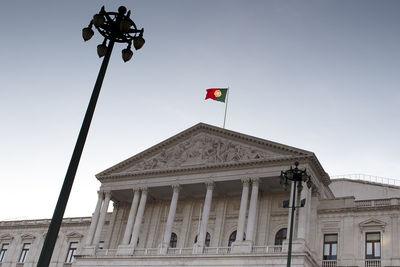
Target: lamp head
{"x":127,"y":54}
{"x":87,"y":33}
{"x":101,"y":50}
{"x":125,"y":25}
{"x":138,"y":42}
{"x":98,"y":20}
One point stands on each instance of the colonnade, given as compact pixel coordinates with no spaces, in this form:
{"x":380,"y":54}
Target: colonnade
{"x":133,"y":225}
{"x":135,"y":218}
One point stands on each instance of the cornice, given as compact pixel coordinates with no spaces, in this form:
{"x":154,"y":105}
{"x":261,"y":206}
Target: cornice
{"x":359,"y":209}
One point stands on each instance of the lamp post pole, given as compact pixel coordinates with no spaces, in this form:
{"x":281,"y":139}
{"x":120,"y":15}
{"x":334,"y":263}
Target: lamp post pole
{"x":115,"y":27}
{"x":296,"y":176}
{"x":289,"y":257}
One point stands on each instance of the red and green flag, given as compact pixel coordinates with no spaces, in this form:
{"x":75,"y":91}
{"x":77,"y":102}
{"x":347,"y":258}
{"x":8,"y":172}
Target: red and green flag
{"x":218,"y":94}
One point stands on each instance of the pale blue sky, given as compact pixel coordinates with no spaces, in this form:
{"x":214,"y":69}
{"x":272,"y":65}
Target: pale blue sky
{"x":318,"y":75}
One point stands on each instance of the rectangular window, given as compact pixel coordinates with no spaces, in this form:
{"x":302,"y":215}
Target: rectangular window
{"x":24,"y":252}
{"x":3,"y":251}
{"x":71,"y":252}
{"x":330,"y":246}
{"x":373,"y":245}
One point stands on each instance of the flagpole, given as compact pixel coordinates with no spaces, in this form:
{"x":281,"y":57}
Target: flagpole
{"x":226,"y":106}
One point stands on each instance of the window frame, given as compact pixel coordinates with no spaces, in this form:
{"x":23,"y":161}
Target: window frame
{"x":232,"y":238}
{"x":173,"y":241}
{"x":3,"y":250}
{"x":282,"y":239}
{"x":373,"y":242}
{"x":24,"y":252}
{"x":330,"y":243}
{"x":71,"y":252}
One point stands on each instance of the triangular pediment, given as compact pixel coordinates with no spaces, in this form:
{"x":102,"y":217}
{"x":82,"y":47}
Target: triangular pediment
{"x":6,"y":237}
{"x":372,"y":223}
{"x":74,"y":235}
{"x":27,"y":236}
{"x":203,"y":146}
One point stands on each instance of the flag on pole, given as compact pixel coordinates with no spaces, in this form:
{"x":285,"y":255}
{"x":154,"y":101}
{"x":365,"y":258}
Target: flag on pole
{"x":218,"y":94}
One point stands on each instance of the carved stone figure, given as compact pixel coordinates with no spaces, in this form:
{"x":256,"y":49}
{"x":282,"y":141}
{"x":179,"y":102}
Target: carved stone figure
{"x":201,"y":149}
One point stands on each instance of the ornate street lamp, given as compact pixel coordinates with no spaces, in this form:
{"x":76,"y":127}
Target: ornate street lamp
{"x":114,"y":27}
{"x":297,"y":177}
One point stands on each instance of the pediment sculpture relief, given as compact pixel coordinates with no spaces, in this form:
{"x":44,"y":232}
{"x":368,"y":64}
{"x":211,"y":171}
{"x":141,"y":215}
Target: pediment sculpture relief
{"x":202,"y":149}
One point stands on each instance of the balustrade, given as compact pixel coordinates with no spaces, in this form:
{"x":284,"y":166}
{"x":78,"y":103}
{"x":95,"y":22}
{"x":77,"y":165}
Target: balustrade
{"x":189,"y":251}
{"x":372,"y":263}
{"x":329,"y":263}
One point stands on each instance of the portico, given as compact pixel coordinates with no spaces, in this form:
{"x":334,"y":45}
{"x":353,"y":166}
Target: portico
{"x":204,"y":186}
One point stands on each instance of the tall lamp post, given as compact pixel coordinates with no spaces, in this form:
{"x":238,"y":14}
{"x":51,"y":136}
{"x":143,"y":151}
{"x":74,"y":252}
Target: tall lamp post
{"x":114,"y":27}
{"x":297,"y":177}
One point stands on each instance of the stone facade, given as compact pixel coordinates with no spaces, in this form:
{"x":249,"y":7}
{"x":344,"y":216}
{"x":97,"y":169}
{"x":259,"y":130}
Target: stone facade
{"x":211,"y":197}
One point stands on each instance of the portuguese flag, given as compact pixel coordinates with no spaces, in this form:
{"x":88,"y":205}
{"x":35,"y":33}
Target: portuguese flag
{"x":218,"y":94}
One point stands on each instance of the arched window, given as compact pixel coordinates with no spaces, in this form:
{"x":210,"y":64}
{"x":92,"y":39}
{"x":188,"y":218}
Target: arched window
{"x":208,"y":239}
{"x":173,"y":240}
{"x":280,"y":236}
{"x":232,"y":238}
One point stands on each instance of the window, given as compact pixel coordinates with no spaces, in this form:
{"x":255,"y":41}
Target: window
{"x":173,"y":240}
{"x":232,"y":238}
{"x":3,"y":251}
{"x":208,"y":239}
{"x":71,"y":252}
{"x":373,"y":245}
{"x":280,"y":236}
{"x":24,"y":252}
{"x":330,"y":246}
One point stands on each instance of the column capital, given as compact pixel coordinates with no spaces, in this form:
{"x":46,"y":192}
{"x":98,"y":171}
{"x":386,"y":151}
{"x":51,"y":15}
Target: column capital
{"x":107,"y":193}
{"x":210,"y":185}
{"x":176,"y":187}
{"x":255,"y":180}
{"x":144,"y":189}
{"x":100,"y":193}
{"x":135,"y":189}
{"x":116,"y":204}
{"x":245,"y":181}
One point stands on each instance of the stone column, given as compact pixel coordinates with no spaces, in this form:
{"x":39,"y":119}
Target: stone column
{"x":186,"y":224}
{"x":111,"y":225}
{"x":395,"y":240}
{"x":220,"y":214}
{"x":131,"y":218}
{"x":242,"y":211}
{"x":95,"y":219}
{"x":102,"y":218}
{"x":252,"y":210}
{"x":139,"y":218}
{"x":171,"y":218}
{"x":204,"y":221}
{"x":303,"y":214}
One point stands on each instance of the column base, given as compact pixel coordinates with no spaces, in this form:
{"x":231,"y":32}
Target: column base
{"x":163,"y":248}
{"x":298,"y":245}
{"x":242,"y":246}
{"x":198,"y":248}
{"x":88,"y":250}
{"x":125,"y":250}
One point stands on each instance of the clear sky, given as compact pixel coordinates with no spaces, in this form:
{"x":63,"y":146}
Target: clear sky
{"x":318,"y":75}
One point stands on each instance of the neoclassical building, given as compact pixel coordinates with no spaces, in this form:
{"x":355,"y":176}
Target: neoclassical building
{"x":212,"y":197}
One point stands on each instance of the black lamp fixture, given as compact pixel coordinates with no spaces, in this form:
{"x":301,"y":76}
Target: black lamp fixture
{"x":114,"y":27}
{"x":296,"y":176}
